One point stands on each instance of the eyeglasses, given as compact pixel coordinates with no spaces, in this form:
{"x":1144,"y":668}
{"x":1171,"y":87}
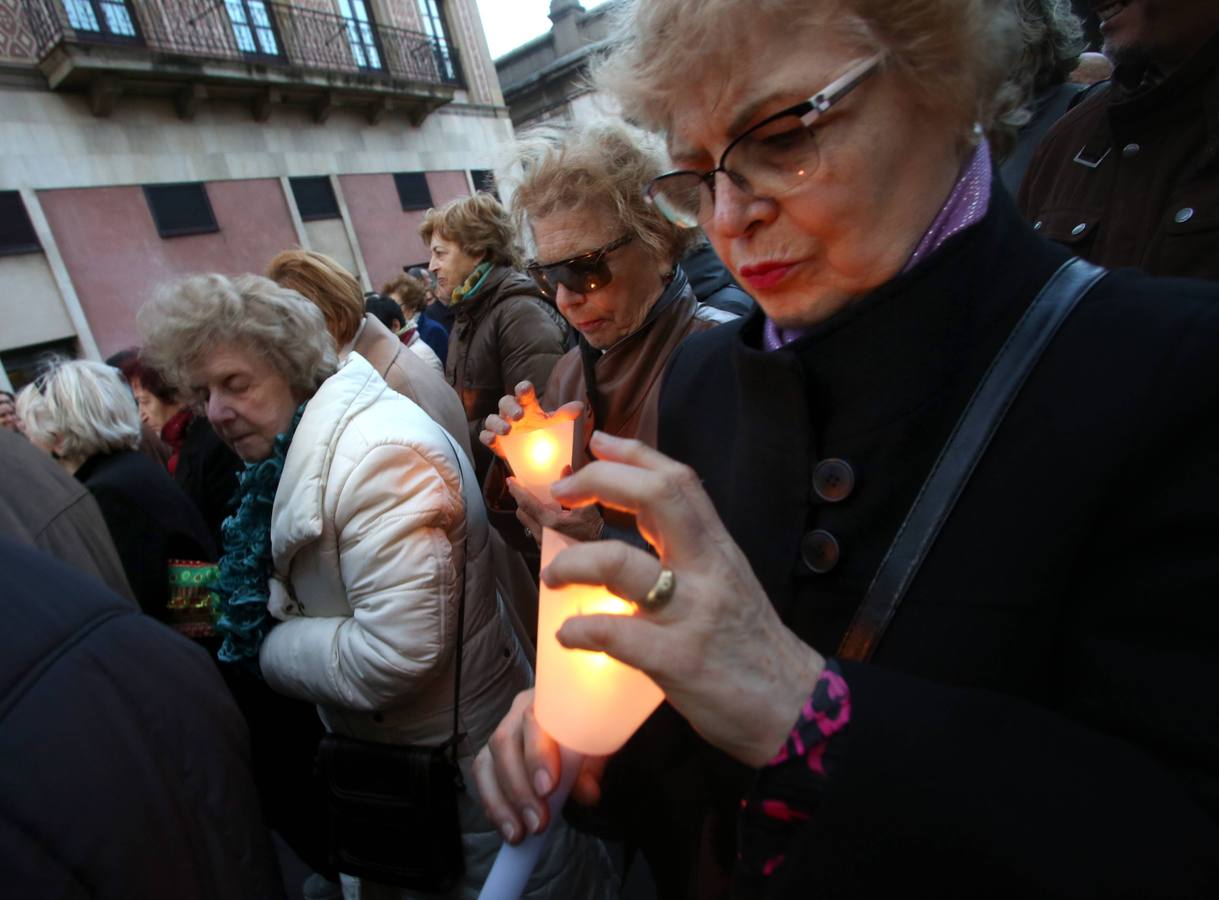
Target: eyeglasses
{"x":583,"y":274}
{"x":772,"y":158}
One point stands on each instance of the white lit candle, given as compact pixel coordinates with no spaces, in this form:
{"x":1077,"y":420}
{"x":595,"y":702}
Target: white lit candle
{"x":538,"y":456}
{"x":588,"y":702}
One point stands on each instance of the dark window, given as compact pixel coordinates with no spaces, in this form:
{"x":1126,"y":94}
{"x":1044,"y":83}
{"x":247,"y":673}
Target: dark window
{"x":484,"y":180}
{"x":23,"y":364}
{"x":253,"y":27}
{"x":315,"y":198}
{"x":16,"y":232}
{"x":434,"y":27}
{"x":108,"y":17}
{"x":413,"y":190}
{"x":361,"y":33}
{"x":180,"y":209}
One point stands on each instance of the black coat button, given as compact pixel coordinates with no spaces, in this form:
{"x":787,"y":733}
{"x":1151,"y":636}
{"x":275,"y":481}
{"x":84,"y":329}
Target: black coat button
{"x":820,"y":551}
{"x":833,"y":480}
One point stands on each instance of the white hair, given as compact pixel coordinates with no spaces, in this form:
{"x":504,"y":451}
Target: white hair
{"x":85,"y":405}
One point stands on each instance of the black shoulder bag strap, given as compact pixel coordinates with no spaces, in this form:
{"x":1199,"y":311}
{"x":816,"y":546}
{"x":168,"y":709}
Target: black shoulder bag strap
{"x":461,"y":623}
{"x":957,"y":461}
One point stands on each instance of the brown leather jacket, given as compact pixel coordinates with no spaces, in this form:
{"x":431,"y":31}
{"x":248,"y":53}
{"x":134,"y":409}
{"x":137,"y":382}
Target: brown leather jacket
{"x":1131,"y":177}
{"x":624,"y":399}
{"x":414,"y":379}
{"x":502,"y":336}
{"x":626,"y":378}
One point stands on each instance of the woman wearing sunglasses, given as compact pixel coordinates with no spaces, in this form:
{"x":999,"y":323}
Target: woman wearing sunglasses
{"x":609,"y":260}
{"x":935,"y":563}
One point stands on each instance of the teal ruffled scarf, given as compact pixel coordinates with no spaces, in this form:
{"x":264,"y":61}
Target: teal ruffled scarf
{"x":245,"y":566}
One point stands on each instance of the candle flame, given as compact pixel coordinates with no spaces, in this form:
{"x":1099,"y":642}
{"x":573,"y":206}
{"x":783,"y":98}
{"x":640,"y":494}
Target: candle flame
{"x":542,"y":450}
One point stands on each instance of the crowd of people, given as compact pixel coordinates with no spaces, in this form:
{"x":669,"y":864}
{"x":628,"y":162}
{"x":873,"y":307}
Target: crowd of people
{"x":872,"y":324}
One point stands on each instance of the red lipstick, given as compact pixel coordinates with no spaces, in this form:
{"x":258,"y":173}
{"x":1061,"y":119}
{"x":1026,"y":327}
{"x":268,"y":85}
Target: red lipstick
{"x":766,"y":275}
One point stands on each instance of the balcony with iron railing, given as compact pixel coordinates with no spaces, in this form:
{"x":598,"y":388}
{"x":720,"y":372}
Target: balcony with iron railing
{"x":263,"y":52}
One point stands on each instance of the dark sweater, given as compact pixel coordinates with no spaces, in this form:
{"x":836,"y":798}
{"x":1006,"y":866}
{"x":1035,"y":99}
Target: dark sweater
{"x":126,"y":764}
{"x":150,"y":519}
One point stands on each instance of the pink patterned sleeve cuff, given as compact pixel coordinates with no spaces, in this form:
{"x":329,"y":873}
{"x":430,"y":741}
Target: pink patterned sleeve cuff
{"x":787,"y":789}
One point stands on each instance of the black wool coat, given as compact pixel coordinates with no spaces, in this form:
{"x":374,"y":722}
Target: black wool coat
{"x":150,"y":519}
{"x":1042,"y":717}
{"x":126,"y":764}
{"x":208,"y":472}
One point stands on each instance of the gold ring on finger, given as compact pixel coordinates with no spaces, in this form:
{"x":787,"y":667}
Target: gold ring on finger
{"x":661,"y":593}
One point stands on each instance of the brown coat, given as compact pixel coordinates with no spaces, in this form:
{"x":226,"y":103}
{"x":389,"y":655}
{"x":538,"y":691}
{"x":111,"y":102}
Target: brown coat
{"x":626,"y":378}
{"x":413,"y":378}
{"x":1132,"y":179}
{"x":504,"y":335}
{"x":625,"y":395}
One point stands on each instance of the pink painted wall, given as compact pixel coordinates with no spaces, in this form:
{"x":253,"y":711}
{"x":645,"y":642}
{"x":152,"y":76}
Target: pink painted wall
{"x":389,"y":238}
{"x":116,"y":258}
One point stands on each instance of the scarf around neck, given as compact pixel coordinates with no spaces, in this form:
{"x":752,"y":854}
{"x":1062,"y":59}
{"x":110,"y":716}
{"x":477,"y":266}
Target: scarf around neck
{"x":173,"y":433}
{"x":245,"y":566}
{"x":473,"y":283}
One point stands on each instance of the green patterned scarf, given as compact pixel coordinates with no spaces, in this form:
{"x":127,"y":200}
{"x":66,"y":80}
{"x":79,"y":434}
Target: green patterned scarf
{"x":245,"y":566}
{"x":473,"y":283}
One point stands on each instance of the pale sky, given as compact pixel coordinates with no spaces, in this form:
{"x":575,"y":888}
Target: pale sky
{"x":510,"y":23}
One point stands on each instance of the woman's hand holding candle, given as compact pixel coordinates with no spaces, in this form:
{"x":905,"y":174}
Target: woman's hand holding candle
{"x":718,"y":648}
{"x":583,"y":524}
{"x":519,"y":769}
{"x":522,"y":408}
{"x":523,"y":411}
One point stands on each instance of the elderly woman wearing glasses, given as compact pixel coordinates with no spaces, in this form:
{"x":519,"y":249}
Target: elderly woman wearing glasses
{"x":610,"y":261}
{"x":934,"y":529}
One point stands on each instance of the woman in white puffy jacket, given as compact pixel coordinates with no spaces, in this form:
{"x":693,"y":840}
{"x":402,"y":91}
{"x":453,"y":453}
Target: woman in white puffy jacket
{"x":359,"y":528}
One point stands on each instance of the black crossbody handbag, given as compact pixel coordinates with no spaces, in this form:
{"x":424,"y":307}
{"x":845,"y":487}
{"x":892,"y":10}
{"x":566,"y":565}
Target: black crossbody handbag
{"x":392,"y":809}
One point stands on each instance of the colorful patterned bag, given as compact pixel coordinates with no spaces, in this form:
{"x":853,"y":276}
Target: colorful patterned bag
{"x":194,"y":603}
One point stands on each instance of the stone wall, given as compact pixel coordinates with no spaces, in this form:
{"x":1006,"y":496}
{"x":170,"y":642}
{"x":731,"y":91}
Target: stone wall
{"x":52,"y":140}
{"x":16,"y":40}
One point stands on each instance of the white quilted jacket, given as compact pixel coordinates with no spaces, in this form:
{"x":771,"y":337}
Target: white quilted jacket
{"x":377,"y":524}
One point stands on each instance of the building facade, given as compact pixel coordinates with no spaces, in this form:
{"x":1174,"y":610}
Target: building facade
{"x":142,"y":140}
{"x":546,"y":80}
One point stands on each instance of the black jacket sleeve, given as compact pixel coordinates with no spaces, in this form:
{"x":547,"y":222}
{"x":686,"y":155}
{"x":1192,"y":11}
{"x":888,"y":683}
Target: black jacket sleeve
{"x":980,"y":794}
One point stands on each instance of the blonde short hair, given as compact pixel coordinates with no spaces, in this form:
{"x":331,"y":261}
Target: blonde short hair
{"x":952,"y":54}
{"x":479,"y":225}
{"x":599,"y":168}
{"x":84,"y":404}
{"x":320,"y":279}
{"x":188,"y":318}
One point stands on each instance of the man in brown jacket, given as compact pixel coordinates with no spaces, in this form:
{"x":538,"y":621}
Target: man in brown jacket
{"x":1130,"y":176}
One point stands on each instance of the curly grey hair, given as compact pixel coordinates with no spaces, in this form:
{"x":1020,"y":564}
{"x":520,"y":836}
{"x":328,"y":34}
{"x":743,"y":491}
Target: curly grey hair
{"x":188,"y":318}
{"x":80,"y":408}
{"x":597,"y":167}
{"x":1052,"y":37}
{"x":953,"y":54}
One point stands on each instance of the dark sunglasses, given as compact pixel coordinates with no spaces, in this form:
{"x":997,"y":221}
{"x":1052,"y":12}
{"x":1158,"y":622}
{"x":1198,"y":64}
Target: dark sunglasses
{"x":583,"y":274}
